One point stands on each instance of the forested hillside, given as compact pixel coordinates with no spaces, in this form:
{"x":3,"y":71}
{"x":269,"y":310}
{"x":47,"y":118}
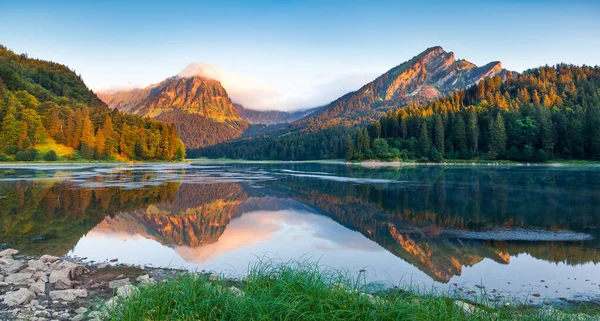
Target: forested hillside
{"x":544,"y":113}
{"x":45,"y":106}
{"x":324,"y":144}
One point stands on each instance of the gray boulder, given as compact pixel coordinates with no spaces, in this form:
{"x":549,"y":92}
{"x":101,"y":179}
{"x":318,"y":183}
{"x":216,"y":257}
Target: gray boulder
{"x":119,"y":283}
{"x":38,"y":287}
{"x":9,"y":252}
{"x":49,"y":258}
{"x":68,"y":295}
{"x":37,"y":265}
{"x":21,"y":296}
{"x":18,"y":278}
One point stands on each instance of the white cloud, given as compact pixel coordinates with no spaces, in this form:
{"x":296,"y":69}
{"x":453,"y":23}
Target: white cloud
{"x":254,"y":94}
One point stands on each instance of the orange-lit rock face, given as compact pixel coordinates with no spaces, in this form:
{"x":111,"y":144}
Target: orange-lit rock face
{"x":195,"y":95}
{"x":198,"y":215}
{"x":427,"y":76}
{"x":199,"y":107}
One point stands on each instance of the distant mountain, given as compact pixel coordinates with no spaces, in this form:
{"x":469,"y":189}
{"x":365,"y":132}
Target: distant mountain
{"x":273,"y":117}
{"x":125,"y":100}
{"x":429,"y":75}
{"x":198,"y":106}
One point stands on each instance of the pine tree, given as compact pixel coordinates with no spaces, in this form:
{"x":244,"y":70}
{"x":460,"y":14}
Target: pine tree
{"x":472,"y":132}
{"x":424,"y":141}
{"x":52,"y":123}
{"x":536,"y":98}
{"x":546,"y":132}
{"x":438,"y":135}
{"x":88,"y":140}
{"x":349,"y":147}
{"x":111,"y":139}
{"x":459,"y":136}
{"x":593,"y":132}
{"x":100,"y":144}
{"x":403,"y":127}
{"x":498,"y":138}
{"x":367,"y":143}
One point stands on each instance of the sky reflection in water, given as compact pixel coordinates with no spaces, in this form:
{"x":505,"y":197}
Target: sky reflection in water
{"x":506,"y":228}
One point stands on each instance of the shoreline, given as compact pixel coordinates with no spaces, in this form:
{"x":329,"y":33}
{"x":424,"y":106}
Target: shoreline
{"x":380,"y":164}
{"x":65,"y":288}
{"x":70,"y":288}
{"x":365,"y":163}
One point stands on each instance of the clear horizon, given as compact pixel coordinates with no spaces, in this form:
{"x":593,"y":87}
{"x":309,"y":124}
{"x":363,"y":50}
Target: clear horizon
{"x":292,"y":55}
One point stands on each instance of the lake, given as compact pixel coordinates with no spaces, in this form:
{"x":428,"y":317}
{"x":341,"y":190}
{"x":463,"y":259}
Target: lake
{"x":515,"y":230}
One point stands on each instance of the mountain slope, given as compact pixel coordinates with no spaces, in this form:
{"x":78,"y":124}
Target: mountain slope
{"x":199,"y":107}
{"x":429,"y":75}
{"x":46,"y":105}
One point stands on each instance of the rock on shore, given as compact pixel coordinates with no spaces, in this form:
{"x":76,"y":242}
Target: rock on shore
{"x":53,"y":288}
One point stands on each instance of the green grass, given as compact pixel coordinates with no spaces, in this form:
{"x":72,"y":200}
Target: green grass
{"x":302,"y":291}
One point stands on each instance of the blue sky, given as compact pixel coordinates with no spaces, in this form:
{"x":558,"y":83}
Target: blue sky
{"x":292,"y":54}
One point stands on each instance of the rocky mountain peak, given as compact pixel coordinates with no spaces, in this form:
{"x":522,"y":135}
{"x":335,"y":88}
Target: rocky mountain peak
{"x":429,"y":75}
{"x":193,"y":100}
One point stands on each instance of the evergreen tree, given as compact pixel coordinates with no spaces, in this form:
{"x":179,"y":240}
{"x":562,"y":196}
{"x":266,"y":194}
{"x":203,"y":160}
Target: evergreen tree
{"x":472,"y":132}
{"x":459,"y":136}
{"x":498,"y":138}
{"x":349,"y":147}
{"x":438,"y":135}
{"x":593,"y":133}
{"x":424,"y":141}
{"x":88,"y":140}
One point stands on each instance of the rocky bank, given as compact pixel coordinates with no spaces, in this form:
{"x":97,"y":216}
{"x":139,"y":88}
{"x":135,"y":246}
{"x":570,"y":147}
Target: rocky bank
{"x":58,"y":288}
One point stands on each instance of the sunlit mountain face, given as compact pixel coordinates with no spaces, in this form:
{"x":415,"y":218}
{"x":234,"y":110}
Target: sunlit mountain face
{"x":440,"y":225}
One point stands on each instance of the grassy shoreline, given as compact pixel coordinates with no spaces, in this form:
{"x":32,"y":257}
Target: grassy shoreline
{"x":303,"y":291}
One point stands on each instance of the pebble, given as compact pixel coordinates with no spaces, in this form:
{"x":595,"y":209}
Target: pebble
{"x":81,"y":310}
{"x":41,"y":313}
{"x":78,"y":317}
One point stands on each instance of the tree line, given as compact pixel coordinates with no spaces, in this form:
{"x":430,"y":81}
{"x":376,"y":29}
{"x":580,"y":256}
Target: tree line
{"x":44,"y":102}
{"x":280,"y":145}
{"x":544,"y":113}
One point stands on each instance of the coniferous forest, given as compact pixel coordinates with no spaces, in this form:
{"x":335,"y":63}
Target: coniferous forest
{"x":47,"y":112}
{"x":544,"y":113}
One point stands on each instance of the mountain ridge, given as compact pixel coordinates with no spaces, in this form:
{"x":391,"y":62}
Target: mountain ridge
{"x":428,"y":75}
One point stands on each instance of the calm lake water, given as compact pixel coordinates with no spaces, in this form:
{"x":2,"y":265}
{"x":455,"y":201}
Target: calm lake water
{"x":515,"y":230}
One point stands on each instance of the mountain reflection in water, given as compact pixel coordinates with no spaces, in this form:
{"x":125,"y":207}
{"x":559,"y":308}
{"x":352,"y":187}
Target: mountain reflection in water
{"x":418,"y":223}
